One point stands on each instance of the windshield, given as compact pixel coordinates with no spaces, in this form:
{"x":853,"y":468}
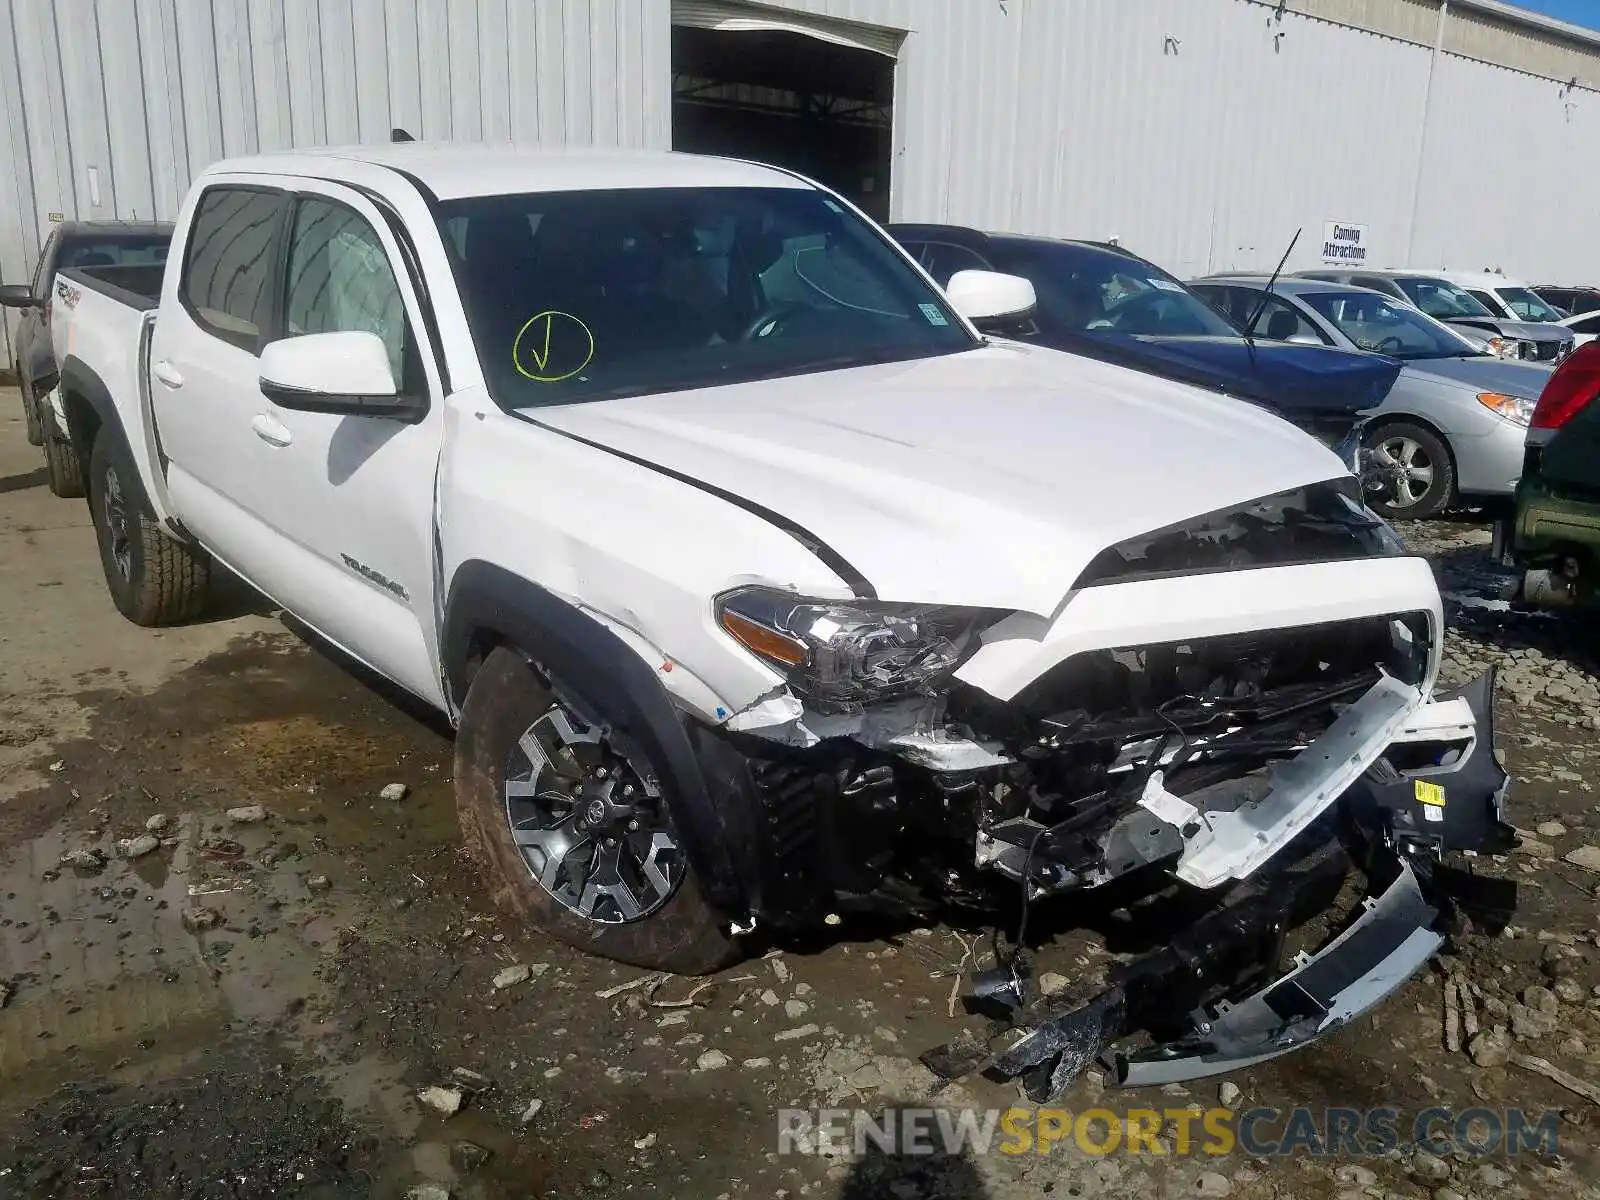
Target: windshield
{"x":587,"y":295}
{"x":1086,"y":289}
{"x":1377,"y":323}
{"x":1442,"y":300}
{"x":1526,"y":305}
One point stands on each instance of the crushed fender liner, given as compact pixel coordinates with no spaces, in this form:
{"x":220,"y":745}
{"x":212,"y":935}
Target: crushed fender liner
{"x":1232,"y":949}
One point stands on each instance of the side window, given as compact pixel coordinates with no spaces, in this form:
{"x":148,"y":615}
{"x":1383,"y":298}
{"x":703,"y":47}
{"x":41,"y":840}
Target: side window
{"x":340,"y":279}
{"x":1219,"y":297}
{"x":943,"y":260}
{"x":1490,"y":301}
{"x":228,"y":268}
{"x":1279,"y":321}
{"x":1589,"y":325}
{"x":1379,"y":284}
{"x":41,"y":271}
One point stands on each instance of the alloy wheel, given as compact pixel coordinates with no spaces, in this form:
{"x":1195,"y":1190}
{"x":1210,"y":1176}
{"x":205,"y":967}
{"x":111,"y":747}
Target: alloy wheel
{"x":1400,"y":468}
{"x":589,"y":821}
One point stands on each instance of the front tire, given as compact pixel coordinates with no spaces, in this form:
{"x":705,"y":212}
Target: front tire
{"x":1409,"y":473}
{"x":153,"y":579}
{"x":573,"y":829}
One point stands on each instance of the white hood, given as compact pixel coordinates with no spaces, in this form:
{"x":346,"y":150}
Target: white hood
{"x":989,"y":478}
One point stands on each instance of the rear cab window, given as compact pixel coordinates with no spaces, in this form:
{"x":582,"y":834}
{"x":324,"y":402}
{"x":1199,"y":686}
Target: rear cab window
{"x":114,"y":250}
{"x":231,"y":263}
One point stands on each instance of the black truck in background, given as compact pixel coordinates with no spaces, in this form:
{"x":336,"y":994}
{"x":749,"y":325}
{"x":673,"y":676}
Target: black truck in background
{"x":71,"y":244}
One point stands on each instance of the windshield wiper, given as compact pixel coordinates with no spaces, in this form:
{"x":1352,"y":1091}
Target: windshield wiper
{"x":1266,"y":295}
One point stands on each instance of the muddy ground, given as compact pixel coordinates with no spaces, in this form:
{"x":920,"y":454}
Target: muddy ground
{"x":252,"y":1008}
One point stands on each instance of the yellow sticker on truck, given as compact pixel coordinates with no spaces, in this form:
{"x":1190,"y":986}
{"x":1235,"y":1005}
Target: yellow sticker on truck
{"x":1431,"y":797}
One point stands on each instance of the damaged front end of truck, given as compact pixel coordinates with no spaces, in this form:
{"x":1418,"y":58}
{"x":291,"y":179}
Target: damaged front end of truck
{"x":1234,"y":716}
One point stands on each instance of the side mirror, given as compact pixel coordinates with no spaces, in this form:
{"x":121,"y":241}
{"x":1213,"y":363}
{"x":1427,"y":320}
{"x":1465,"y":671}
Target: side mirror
{"x":19,"y":295}
{"x":346,"y":373}
{"x":992,"y":301}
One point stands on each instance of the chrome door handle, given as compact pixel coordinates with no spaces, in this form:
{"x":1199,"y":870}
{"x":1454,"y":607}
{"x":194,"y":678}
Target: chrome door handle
{"x":167,"y":374}
{"x":271,"y":430}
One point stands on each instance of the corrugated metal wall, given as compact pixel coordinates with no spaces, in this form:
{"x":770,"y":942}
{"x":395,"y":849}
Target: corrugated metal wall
{"x":147,"y":92}
{"x":1200,"y":132}
{"x":1201,"y":135}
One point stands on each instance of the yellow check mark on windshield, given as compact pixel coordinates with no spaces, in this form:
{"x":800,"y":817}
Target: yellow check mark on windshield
{"x":543,"y":360}
{"x":557,"y":358}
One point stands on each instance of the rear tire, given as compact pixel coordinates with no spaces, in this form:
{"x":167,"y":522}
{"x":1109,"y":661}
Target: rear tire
{"x":1408,"y":473}
{"x":153,"y":579}
{"x":63,"y":468}
{"x":30,"y":411}
{"x":676,"y":929}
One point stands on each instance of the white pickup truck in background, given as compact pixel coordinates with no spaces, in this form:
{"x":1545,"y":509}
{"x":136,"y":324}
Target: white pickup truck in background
{"x":761,"y":586}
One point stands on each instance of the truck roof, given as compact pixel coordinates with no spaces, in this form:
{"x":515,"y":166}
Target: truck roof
{"x":451,"y":170}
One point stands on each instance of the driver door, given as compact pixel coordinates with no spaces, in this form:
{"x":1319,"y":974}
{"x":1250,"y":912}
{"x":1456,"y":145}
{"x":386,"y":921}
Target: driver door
{"x":356,"y":493}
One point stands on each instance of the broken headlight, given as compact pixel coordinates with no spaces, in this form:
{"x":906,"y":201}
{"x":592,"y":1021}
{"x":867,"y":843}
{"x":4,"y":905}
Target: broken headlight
{"x":840,"y":655}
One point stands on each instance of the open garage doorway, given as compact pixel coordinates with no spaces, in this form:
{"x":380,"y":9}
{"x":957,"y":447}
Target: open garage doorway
{"x":754,"y":82}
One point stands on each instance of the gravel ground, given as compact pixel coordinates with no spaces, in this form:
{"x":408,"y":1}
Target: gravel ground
{"x":316,"y":1000}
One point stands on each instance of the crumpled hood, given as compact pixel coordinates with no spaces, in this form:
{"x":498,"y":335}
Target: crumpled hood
{"x":987,"y":478}
{"x":1485,"y":374}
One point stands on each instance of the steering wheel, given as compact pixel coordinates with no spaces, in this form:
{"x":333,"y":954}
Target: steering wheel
{"x":1398,"y":345}
{"x":768,"y":319}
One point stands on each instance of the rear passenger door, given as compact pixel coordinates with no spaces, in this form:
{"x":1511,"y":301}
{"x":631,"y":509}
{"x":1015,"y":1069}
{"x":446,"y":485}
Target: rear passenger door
{"x":216,"y":315}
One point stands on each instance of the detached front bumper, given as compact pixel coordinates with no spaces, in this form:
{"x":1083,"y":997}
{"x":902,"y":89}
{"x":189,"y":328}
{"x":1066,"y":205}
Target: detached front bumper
{"x":1385,"y":946}
{"x":1398,"y":822}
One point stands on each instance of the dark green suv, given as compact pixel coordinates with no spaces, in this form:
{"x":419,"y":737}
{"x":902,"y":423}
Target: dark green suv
{"x":1554,"y":533}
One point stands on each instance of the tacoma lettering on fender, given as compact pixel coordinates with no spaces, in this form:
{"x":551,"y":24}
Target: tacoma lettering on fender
{"x":762,"y":586}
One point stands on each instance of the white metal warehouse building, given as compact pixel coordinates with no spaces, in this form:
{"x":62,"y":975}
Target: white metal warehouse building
{"x":1200,"y":133}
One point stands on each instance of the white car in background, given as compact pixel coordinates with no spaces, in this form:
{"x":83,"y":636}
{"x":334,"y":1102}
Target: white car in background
{"x":1510,"y":299}
{"x":1585,"y":327}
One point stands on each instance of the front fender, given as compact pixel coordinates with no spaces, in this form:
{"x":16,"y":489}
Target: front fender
{"x":583,"y":660}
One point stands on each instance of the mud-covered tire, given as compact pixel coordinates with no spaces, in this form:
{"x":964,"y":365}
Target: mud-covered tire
{"x":684,"y":936}
{"x":153,"y":579}
{"x":30,"y":410}
{"x":63,"y":468}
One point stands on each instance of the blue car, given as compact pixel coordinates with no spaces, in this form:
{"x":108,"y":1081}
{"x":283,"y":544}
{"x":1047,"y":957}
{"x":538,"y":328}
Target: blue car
{"x":1104,"y":302}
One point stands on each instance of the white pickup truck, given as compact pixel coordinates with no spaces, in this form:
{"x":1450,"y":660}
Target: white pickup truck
{"x":762,"y":586}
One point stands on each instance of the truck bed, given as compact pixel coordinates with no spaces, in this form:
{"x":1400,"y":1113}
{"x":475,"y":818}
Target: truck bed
{"x":100,"y":325}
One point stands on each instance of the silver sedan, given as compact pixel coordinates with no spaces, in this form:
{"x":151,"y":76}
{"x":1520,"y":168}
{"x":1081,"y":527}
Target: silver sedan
{"x":1451,"y":428}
